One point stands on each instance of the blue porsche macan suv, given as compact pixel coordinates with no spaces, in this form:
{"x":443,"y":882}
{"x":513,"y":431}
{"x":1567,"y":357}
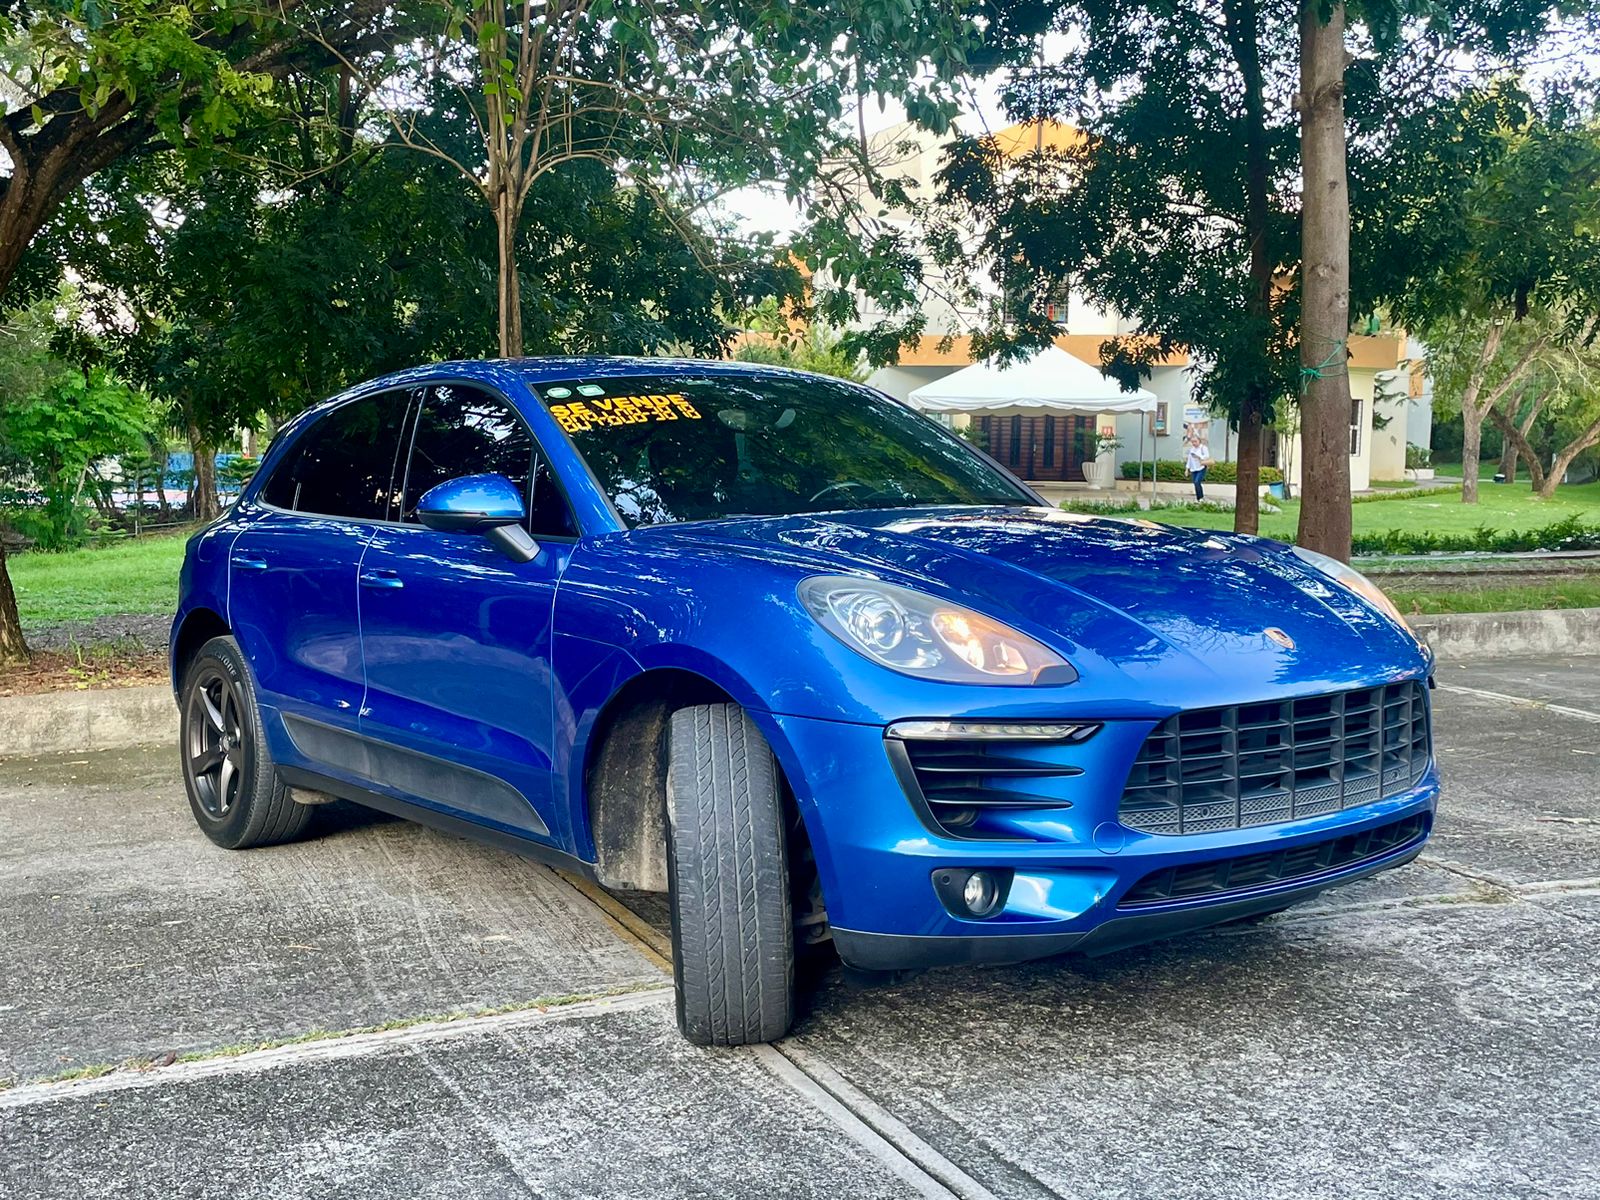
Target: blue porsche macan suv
{"x":784,"y":649}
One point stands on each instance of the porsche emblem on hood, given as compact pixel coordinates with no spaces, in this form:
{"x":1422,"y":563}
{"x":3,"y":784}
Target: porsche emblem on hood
{"x":1279,"y":636}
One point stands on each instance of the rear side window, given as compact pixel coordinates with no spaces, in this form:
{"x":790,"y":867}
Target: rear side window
{"x":462,"y":430}
{"x":345,"y":464}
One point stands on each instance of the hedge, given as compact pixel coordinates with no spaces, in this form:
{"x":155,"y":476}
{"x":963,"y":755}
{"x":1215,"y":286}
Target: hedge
{"x":1170,"y":470}
{"x":1567,"y":534}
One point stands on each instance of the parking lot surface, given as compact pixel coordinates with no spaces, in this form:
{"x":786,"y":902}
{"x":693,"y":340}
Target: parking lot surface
{"x":1434,"y":1032}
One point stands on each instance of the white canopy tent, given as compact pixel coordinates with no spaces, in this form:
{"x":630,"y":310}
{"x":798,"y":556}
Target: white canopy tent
{"x":1051,"y":381}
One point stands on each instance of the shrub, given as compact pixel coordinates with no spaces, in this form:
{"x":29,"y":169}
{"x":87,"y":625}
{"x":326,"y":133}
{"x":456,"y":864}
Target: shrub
{"x":1418,"y":456}
{"x":234,"y":471}
{"x":1171,"y":471}
{"x":1409,"y":492}
{"x":1566,"y":534}
{"x":1108,"y":508}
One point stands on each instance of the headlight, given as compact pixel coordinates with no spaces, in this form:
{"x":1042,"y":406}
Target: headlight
{"x":1349,"y":577}
{"x":927,"y":637}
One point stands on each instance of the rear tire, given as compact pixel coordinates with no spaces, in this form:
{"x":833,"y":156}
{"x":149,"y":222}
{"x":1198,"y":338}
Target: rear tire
{"x":234,"y":790}
{"x":732,"y":934}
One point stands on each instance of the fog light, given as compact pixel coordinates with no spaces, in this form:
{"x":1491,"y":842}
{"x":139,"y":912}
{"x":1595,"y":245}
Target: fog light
{"x":981,"y":894}
{"x":973,"y":893}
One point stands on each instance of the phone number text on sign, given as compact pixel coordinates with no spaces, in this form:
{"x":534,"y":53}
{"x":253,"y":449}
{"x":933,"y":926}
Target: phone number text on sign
{"x":583,"y":415}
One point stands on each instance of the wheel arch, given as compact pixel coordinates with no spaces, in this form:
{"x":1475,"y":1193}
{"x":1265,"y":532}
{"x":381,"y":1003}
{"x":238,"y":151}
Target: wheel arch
{"x":198,"y":627}
{"x":624,"y":773}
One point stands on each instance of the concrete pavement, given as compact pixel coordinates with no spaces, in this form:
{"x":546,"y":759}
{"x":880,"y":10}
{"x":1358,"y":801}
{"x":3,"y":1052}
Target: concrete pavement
{"x":1434,"y":1032}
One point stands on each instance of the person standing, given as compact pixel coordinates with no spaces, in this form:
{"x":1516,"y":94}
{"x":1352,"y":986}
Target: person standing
{"x":1196,"y":460}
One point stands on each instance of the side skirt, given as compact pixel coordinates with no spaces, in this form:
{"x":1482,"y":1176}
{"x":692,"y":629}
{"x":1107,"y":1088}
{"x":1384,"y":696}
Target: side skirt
{"x":298,"y":777}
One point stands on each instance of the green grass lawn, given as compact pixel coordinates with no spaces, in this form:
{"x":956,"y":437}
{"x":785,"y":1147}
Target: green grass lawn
{"x":1566,"y":593}
{"x":1499,"y":507}
{"x":135,"y":576}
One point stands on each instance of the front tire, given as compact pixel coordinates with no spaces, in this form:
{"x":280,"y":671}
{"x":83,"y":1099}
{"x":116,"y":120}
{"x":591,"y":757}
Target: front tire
{"x":234,"y":790}
{"x":727,"y":865}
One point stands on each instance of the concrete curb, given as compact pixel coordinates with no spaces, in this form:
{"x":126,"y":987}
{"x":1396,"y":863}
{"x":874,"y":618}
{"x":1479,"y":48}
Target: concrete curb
{"x":1460,"y":637}
{"x":117,"y":718}
{"x":96,"y":719}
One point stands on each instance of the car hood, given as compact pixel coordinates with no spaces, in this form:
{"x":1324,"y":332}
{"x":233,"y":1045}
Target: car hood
{"x":1118,"y":597}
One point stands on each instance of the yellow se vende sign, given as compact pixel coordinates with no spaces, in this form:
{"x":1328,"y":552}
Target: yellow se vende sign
{"x":602,"y":412}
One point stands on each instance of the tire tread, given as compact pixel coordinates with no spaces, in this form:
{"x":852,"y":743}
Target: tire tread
{"x":733,"y":939}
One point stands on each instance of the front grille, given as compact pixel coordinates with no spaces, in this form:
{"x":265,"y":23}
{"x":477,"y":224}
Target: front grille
{"x":1274,"y":866}
{"x":1279,"y":760}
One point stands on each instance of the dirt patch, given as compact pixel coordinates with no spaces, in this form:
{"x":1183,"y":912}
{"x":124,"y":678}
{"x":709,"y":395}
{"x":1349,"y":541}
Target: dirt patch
{"x":122,"y":632}
{"x":83,"y":668}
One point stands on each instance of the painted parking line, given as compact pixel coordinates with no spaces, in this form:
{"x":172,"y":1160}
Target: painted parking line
{"x":872,"y":1127}
{"x":334,"y":1047}
{"x":1581,"y":714}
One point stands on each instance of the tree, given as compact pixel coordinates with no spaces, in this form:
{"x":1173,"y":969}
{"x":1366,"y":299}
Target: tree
{"x":1180,"y":207}
{"x":94,"y":79}
{"x":1187,"y":209}
{"x":314,"y":254}
{"x":687,"y":97}
{"x":60,"y":432}
{"x":1325,"y":513}
{"x":55,"y":421}
{"x":1565,"y":389}
{"x":774,"y":338}
{"x":1517,"y":279}
{"x":1168,"y":210}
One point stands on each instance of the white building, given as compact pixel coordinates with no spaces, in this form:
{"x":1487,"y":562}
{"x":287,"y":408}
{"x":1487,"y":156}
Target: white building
{"x":1388,"y":405}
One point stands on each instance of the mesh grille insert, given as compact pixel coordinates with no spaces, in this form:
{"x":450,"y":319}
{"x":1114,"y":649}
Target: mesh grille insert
{"x":1274,"y":866}
{"x":1279,"y":760}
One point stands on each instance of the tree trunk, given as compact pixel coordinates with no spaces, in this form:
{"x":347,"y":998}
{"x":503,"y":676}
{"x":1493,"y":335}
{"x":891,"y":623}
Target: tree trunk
{"x":510,"y":288}
{"x":13,"y":646}
{"x":1508,"y":461}
{"x":1558,"y":467}
{"x":1324,"y":286}
{"x":203,"y":503}
{"x":1247,"y":464}
{"x":1241,"y":22}
{"x":158,"y":454}
{"x":1517,"y":439}
{"x":1471,"y":440}
{"x":1472,"y":415}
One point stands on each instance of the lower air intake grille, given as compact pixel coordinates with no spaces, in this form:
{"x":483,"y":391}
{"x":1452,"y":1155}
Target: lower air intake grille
{"x":1277,"y":866}
{"x":1279,"y":760}
{"x":968,"y":787}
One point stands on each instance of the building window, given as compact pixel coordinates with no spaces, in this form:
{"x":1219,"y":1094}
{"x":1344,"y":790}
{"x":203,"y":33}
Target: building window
{"x":1016,"y":440}
{"x":1049,"y":441}
{"x":1355,"y":428}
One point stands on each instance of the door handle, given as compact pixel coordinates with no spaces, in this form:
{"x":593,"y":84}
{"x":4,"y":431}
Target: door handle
{"x":247,"y":563}
{"x":381,"y":579}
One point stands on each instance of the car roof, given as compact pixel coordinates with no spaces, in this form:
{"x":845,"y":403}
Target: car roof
{"x":551,"y":368}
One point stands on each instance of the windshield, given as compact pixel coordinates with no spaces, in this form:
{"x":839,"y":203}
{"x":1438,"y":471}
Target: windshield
{"x":691,"y":448}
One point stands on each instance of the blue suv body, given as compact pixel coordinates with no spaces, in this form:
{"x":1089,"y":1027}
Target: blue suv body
{"x":603,"y":610}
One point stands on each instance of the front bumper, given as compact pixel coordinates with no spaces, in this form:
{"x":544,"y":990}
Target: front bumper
{"x":877,"y":858}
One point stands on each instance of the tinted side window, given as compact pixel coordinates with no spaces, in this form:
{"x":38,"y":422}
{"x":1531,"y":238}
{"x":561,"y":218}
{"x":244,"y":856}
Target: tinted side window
{"x":463,"y":431}
{"x":345,"y":464}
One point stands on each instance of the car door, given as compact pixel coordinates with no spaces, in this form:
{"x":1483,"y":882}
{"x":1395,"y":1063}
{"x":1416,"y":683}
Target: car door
{"x":292,"y":569}
{"x":456,"y":636}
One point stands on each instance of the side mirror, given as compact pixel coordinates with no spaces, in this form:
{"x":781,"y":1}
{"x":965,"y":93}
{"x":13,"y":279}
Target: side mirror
{"x":486,"y":504}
